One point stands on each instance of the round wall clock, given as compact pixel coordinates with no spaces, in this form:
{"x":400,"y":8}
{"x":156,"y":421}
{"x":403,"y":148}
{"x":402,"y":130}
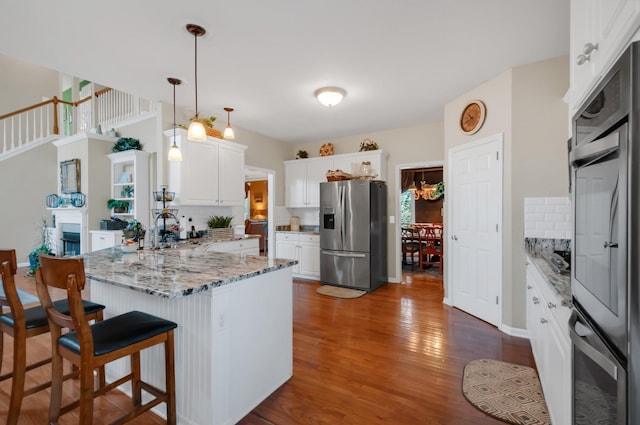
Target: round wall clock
{"x":472,"y":117}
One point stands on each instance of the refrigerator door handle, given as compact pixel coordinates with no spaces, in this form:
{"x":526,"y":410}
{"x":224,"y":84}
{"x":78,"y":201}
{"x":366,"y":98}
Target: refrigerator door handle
{"x":342,"y":217}
{"x":344,"y":254}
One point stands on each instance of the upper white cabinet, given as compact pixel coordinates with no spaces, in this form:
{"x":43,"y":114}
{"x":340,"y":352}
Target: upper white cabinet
{"x":303,"y":176}
{"x":600,"y":30}
{"x":130,"y":183}
{"x":302,"y":182}
{"x":210,"y":173}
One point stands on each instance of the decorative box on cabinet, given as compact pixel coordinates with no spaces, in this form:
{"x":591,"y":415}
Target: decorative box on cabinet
{"x":130,"y":182}
{"x":101,"y":239}
{"x":211,"y":173}
{"x":600,"y":31}
{"x":547,"y":322}
{"x":303,"y":247}
{"x":303,"y":176}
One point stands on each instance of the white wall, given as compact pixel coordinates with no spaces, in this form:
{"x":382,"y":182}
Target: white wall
{"x":525,"y":104}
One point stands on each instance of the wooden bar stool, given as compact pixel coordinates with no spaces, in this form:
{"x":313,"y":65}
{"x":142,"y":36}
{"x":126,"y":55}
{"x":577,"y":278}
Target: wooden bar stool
{"x":93,"y":346}
{"x":20,"y":324}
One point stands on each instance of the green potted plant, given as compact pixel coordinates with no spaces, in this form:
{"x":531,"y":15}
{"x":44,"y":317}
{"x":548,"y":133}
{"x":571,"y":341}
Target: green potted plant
{"x":220,"y":226}
{"x":302,"y":154}
{"x":118,"y":206}
{"x":44,"y":247}
{"x":126,"y":143}
{"x":134,"y":231}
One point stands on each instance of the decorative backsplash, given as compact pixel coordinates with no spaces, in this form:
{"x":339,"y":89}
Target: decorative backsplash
{"x":547,"y":218}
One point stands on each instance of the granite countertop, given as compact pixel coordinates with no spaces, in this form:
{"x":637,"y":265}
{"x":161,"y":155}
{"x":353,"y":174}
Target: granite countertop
{"x":560,"y":282}
{"x":173,"y":273}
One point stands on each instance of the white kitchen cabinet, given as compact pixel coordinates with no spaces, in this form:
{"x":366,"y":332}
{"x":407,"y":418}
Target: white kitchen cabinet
{"x":309,"y":249}
{"x":600,"y":31}
{"x":101,"y":239}
{"x":130,"y":182}
{"x":303,"y":176}
{"x":303,"y":247}
{"x":248,"y":246}
{"x":302,"y":182}
{"x":547,"y":322}
{"x":211,"y":173}
{"x":350,"y":162}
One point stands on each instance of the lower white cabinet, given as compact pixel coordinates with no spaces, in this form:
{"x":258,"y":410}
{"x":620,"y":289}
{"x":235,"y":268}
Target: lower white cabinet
{"x":101,"y":239}
{"x":303,"y":247}
{"x":249,"y":246}
{"x":547,"y":322}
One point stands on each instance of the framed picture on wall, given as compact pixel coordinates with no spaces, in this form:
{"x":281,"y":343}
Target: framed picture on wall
{"x":70,"y":176}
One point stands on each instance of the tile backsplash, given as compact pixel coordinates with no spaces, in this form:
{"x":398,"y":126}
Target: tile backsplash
{"x":547,"y":218}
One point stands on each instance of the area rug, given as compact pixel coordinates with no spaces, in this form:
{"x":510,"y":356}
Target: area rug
{"x":338,"y":292}
{"x":505,"y":391}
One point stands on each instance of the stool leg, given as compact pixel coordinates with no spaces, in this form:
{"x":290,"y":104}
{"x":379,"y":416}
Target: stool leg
{"x":1,"y":345}
{"x":86,"y":395}
{"x":136,"y":389}
{"x":56,"y":388}
{"x":169,"y":361}
{"x":19,"y":365}
{"x":101,"y":375}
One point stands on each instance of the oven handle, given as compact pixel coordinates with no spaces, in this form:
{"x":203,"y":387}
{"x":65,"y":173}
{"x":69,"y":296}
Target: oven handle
{"x":607,"y":365}
{"x":583,"y":154}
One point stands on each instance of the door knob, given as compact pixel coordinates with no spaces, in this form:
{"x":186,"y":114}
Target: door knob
{"x":454,"y":237}
{"x":543,"y":320}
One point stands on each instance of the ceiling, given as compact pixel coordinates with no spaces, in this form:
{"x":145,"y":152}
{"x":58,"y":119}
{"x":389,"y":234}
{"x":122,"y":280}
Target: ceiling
{"x":399,"y":61}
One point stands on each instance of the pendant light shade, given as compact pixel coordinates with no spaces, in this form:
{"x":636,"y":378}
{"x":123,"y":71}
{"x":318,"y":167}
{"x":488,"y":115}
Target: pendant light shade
{"x":228,"y":131}
{"x":196,"y":130}
{"x":174,"y":151}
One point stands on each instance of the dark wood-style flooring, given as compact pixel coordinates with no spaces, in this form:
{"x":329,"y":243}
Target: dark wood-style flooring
{"x":394,"y":356}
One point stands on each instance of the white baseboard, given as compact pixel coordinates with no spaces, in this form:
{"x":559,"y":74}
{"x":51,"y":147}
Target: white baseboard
{"x":447,"y":301}
{"x":518,"y":332}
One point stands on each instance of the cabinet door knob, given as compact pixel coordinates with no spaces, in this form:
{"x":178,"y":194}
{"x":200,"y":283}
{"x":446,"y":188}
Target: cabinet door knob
{"x":536,"y":300}
{"x":551,"y":305}
{"x":529,"y":286}
{"x":543,"y":320}
{"x":582,"y":59}
{"x":589,"y":47}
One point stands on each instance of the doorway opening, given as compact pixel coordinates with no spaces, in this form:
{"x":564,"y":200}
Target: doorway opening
{"x":258,"y":209}
{"x":420,"y":203}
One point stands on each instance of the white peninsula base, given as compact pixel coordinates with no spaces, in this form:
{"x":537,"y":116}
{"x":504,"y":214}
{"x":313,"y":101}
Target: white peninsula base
{"x":233,"y":344}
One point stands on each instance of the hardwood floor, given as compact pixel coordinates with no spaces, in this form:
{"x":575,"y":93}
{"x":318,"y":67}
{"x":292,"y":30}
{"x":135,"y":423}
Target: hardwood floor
{"x":394,"y":356}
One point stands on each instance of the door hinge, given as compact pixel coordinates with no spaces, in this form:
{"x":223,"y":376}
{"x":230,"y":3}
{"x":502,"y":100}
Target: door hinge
{"x":497,"y":156}
{"x":496,"y":227}
{"x":496,"y":299}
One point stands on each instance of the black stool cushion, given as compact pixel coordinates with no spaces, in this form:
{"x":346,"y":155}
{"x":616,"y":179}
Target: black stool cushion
{"x":119,"y":332}
{"x":36,"y":317}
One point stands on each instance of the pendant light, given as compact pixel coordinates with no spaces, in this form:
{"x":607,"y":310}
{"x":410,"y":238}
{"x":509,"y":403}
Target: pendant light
{"x":196,"y":131}
{"x":228,"y":131}
{"x":174,"y":151}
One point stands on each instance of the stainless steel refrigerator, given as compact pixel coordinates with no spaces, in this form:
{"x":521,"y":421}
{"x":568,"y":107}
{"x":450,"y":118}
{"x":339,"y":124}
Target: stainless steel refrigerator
{"x":353,"y":233}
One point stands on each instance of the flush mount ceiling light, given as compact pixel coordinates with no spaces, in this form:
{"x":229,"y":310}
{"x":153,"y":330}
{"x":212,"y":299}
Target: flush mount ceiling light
{"x":228,"y":131}
{"x":196,"y":131}
{"x":330,"y":96}
{"x":174,"y":152}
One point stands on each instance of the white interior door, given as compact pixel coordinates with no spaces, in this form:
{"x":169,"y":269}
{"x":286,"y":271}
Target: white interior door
{"x":475,"y":217}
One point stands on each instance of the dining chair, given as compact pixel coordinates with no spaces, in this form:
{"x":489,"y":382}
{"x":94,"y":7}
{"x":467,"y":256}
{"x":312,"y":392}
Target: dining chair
{"x":432,"y":247}
{"x":93,"y":346}
{"x":21,"y":324}
{"x":411,"y":246}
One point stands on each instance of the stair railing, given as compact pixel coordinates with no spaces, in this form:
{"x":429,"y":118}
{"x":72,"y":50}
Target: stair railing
{"x":35,"y":124}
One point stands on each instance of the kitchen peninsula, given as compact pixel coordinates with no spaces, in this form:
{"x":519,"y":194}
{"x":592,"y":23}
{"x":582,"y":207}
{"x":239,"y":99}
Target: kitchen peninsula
{"x":234,"y":315}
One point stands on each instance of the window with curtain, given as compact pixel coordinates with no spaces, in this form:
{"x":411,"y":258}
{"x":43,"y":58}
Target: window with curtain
{"x":407,"y":207}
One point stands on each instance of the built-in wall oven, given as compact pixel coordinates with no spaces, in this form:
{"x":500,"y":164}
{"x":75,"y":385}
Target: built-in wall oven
{"x":604,"y":326}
